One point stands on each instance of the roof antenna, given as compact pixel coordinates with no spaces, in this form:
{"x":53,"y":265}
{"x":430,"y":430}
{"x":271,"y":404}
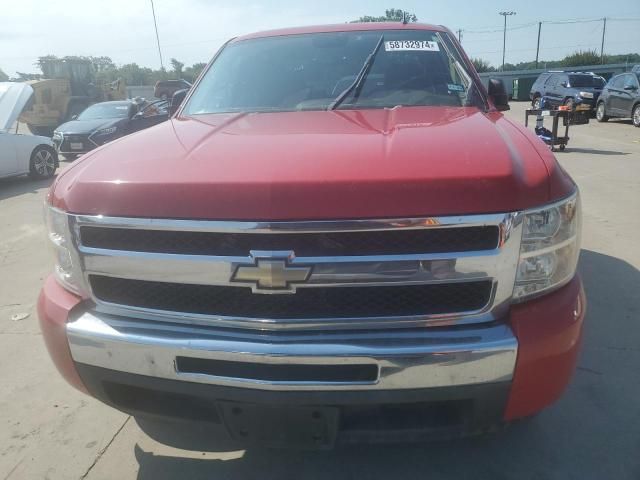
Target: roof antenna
{"x":404,"y":18}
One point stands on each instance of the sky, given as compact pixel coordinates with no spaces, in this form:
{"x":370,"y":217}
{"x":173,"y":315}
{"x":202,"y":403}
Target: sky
{"x":192,"y":30}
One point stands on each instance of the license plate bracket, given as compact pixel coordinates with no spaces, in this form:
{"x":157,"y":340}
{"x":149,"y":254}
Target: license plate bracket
{"x":281,"y":426}
{"x":76,"y":145}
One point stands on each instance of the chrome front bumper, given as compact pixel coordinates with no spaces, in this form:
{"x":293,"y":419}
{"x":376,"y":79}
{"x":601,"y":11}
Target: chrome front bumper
{"x":405,"y":359}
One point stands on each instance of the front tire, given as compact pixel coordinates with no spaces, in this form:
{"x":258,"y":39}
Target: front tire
{"x":601,"y":113}
{"x":43,"y":164}
{"x":635,"y":116}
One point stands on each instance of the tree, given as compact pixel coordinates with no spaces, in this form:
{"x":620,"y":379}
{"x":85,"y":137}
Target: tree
{"x":630,"y":58}
{"x":177,"y":67}
{"x":482,"y":65}
{"x":390,"y":15}
{"x":3,"y":76}
{"x":581,"y":57}
{"x":102,"y":63}
{"x":44,"y":62}
{"x":191,"y":73}
{"x":134,"y":74}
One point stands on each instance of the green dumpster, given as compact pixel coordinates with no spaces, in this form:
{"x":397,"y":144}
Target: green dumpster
{"x":522,"y":87}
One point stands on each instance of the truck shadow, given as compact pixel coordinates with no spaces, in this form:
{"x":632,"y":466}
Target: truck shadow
{"x":625,"y":121}
{"x":593,"y":151}
{"x":15,"y":186}
{"x":565,"y":441}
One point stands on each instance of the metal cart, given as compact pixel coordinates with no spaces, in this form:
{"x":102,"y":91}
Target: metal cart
{"x":569,"y":117}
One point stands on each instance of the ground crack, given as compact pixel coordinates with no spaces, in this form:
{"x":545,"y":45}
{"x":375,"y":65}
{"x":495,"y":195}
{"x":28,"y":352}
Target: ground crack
{"x":101,"y":452}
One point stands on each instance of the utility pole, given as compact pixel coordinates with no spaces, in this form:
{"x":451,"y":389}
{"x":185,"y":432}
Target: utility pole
{"x":155,"y":23}
{"x":604,"y":28}
{"x":460,"y":35}
{"x":538,"y":47}
{"x":504,"y":37}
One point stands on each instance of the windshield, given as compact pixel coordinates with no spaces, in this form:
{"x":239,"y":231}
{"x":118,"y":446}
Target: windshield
{"x":309,"y":71}
{"x":577,"y":81}
{"x":105,"y":110}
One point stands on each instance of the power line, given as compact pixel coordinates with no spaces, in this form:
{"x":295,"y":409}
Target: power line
{"x":569,"y":21}
{"x":559,"y":47}
{"x":564,"y":22}
{"x":496,"y":29}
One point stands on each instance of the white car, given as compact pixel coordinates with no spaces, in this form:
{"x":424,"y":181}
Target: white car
{"x":22,"y":154}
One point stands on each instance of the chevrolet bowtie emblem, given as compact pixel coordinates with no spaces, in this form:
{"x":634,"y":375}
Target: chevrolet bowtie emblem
{"x":271,"y":272}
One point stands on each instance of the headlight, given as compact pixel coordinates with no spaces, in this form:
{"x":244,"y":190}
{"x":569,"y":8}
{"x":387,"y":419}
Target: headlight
{"x":66,"y":269}
{"x":106,"y":131}
{"x":586,"y":94}
{"x":550,"y":248}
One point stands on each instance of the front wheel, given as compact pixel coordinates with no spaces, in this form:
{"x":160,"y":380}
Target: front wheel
{"x":601,"y":113}
{"x":44,"y":162}
{"x":635,"y":116}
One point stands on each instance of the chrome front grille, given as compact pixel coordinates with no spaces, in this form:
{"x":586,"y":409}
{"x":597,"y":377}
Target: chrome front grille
{"x":382,"y":242}
{"x":355,"y":274}
{"x":319,"y":303}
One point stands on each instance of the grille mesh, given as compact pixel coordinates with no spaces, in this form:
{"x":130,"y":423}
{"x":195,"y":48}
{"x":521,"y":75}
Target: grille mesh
{"x":74,"y":138}
{"x":317,"y":302}
{"x":386,"y":242}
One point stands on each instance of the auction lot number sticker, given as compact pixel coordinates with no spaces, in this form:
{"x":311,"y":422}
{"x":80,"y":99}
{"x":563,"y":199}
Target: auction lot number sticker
{"x":408,"y":45}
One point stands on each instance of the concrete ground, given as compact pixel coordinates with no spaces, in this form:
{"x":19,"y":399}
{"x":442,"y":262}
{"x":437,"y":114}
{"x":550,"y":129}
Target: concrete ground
{"x":50,"y":431}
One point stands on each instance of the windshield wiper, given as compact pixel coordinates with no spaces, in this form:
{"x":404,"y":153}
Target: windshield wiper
{"x":358,"y":83}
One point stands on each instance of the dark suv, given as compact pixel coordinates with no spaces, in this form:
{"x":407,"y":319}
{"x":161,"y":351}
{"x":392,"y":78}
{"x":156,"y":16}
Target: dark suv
{"x":166,"y":88}
{"x":621,"y":98}
{"x":567,"y":88}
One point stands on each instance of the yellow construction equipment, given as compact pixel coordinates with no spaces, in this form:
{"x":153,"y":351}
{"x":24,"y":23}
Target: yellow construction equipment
{"x":68,"y":87}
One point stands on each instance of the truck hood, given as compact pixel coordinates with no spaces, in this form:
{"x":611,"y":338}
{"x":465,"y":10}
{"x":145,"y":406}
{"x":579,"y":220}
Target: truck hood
{"x":13,"y":99}
{"x":405,"y":161}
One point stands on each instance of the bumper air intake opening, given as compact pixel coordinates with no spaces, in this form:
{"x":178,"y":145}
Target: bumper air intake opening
{"x":364,"y":373}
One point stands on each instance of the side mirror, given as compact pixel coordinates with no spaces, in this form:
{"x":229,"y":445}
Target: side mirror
{"x":498,"y":94}
{"x":630,"y":87}
{"x":176,"y":100}
{"x":564,"y":84}
{"x":137,"y":115}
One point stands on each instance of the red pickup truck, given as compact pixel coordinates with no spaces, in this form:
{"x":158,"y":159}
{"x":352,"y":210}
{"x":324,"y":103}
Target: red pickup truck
{"x":338,"y":237}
